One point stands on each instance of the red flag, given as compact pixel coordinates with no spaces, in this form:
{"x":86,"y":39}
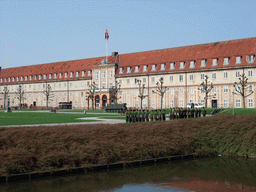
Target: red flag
{"x":106,"y":34}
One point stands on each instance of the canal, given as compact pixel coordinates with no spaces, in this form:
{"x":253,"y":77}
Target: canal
{"x":203,"y":174}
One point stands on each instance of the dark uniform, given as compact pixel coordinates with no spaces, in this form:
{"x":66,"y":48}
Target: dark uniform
{"x":192,"y":112}
{"x":171,"y":113}
{"x":199,"y":112}
{"x":127,"y":114}
{"x":188,"y":112}
{"x":152,"y":115}
{"x":143,"y":115}
{"x":163,"y":115}
{"x":147,"y":115}
{"x":196,"y":112}
{"x":204,"y":112}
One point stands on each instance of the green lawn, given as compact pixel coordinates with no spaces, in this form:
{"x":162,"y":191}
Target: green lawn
{"x":26,"y":118}
{"x":239,"y":111}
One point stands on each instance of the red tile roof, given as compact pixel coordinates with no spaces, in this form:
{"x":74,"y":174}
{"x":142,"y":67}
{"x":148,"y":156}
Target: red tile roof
{"x":209,"y":51}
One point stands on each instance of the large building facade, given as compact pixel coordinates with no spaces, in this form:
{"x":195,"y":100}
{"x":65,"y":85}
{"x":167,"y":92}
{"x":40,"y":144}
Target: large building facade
{"x":182,"y":69}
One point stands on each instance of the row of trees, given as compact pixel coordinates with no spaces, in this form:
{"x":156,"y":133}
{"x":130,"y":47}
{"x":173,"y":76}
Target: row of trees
{"x":241,"y":88}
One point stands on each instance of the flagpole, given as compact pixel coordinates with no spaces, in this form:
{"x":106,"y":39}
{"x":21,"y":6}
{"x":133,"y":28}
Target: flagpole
{"x":106,"y":51}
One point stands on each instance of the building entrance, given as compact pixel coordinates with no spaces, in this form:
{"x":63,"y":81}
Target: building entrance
{"x":214,"y":103}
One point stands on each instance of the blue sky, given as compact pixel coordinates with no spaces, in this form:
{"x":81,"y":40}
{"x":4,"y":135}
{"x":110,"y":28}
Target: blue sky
{"x":43,"y":31}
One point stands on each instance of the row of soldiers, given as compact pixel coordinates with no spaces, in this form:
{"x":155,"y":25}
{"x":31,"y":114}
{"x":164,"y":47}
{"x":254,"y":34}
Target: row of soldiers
{"x":157,"y":114}
{"x":144,"y":115}
{"x":177,"y":113}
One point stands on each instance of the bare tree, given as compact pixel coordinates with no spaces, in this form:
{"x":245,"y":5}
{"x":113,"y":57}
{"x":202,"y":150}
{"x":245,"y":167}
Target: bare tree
{"x":242,"y":88}
{"x":5,"y":93}
{"x":91,"y":92}
{"x":141,"y":92}
{"x":206,"y":88}
{"x":20,"y":94}
{"x":48,"y":94}
{"x":115,"y":89}
{"x":160,"y":89}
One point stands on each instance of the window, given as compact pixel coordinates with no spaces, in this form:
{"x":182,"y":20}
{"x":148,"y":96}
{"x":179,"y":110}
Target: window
{"x":120,"y":81}
{"x":45,"y":76}
{"x":30,"y":77}
{"x":82,"y":103}
{"x":171,"y":91}
{"x":66,"y":74}
{"x":145,"y":92}
{"x":59,"y":94}
{"x":65,"y":84}
{"x":153,"y":104}
{"x":88,"y":83}
{"x":137,"y":69}
{"x":225,"y":103}
{"x":39,"y":87}
{"x":82,"y":84}
{"x":60,"y":75}
{"x":89,"y":73}
{"x":110,"y":74}
{"x":17,"y":79}
{"x":225,"y":74}
{"x":127,"y":81}
{"x":50,"y":76}
{"x":202,"y":90}
{"x":71,"y":74}
{"x":120,"y":93}
{"x":191,"y":77}
{"x":144,"y":103}
{"x":121,"y":70}
{"x":238,"y":103}
{"x":152,"y":79}
{"x":13,"y":79}
{"x":128,"y":93}
{"x":214,"y":89}
{"x":128,"y":103}
{"x":171,"y":103}
{"x":103,"y":74}
{"x":70,"y":94}
{"x":250,"y":58}
{"x":202,"y":76}
{"x":172,"y":66}
{"x":250,"y":102}
{"x":35,"y":77}
{"x":213,"y":75}
{"x":191,"y":90}
{"x":153,"y":67}
{"x":181,"y":103}
{"x":129,"y":69}
{"x":163,"y":66}
{"x":192,"y":64}
{"x":76,"y":94}
{"x":182,"y":65}
{"x":203,"y":62}
{"x":103,"y":85}
{"x":214,"y":62}
{"x":181,"y":78}
{"x":96,"y":75}
{"x":83,"y":73}
{"x":249,"y":73}
{"x":238,"y":59}
{"x":59,"y":85}
{"x":226,"y":61}
{"x":144,"y":80}
{"x":181,"y":90}
{"x":225,"y":89}
{"x":76,"y":84}
{"x":55,"y":75}
{"x":237,"y":74}
{"x":250,"y":89}
{"x":136,"y":93}
{"x":70,"y":84}
{"x":21,"y":78}
{"x":145,"y":68}
{"x":171,"y":78}
{"x":77,"y":74}
{"x":110,"y":85}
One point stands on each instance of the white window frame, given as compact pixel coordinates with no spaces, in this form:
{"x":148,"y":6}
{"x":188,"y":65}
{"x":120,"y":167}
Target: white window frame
{"x":77,"y":74}
{"x":202,"y":76}
{"x":238,"y":59}
{"x":192,"y":64}
{"x":71,"y":74}
{"x":237,"y":74}
{"x":238,"y":103}
{"x":214,"y":89}
{"x":226,"y":61}
{"x":191,"y":77}
{"x":127,"y":81}
{"x":163,"y":66}
{"x":152,"y":79}
{"x":60,"y":75}
{"x":215,"y":62}
{"x":171,"y":78}
{"x":172,"y":65}
{"x":145,"y":68}
{"x":129,"y":69}
{"x":66,"y":74}
{"x":153,"y":67}
{"x":121,"y":70}
{"x":83,"y":73}
{"x":181,"y":91}
{"x":191,"y":90}
{"x":225,"y":74}
{"x":250,"y":102}
{"x":45,"y":76}
{"x":110,"y":74}
{"x":181,"y":78}
{"x":89,"y":73}
{"x":225,"y":103}
{"x":203,"y":62}
{"x":250,"y":73}
{"x":250,"y":58}
{"x":213,"y":75}
{"x":137,"y":69}
{"x":225,"y":89}
{"x":182,"y":64}
{"x":171,"y":91}
{"x":181,"y":103}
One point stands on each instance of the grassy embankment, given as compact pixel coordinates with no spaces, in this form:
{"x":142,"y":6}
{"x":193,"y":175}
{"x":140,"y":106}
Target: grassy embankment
{"x":49,"y":148}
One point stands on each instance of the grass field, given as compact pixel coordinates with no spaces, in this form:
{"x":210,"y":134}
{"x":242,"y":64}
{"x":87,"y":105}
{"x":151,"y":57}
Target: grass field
{"x":239,"y":111}
{"x":28,"y":118}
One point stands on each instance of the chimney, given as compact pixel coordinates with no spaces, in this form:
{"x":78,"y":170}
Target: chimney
{"x":0,"y":68}
{"x":114,"y":54}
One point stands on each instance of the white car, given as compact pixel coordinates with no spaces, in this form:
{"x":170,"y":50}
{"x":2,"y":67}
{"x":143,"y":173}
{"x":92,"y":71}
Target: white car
{"x":196,"y":105}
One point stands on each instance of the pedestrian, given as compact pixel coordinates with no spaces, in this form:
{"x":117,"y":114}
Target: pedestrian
{"x":204,"y":112}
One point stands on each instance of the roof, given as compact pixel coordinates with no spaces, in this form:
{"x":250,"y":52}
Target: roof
{"x":218,"y":50}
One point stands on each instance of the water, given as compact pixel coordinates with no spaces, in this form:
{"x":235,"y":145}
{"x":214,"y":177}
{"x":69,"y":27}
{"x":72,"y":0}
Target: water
{"x":208,"y":174}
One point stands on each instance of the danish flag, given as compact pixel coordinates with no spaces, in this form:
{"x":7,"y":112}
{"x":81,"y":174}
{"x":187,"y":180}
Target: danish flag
{"x":106,"y":34}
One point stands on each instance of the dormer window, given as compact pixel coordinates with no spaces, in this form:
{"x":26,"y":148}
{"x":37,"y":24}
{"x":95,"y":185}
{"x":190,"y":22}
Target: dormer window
{"x":50,"y":76}
{"x":172,"y":66}
{"x":182,"y":65}
{"x":89,"y":73}
{"x":17,"y":79}
{"x":145,"y":68}
{"x":9,"y":79}
{"x":13,"y":79}
{"x":34,"y":77}
{"x":30,"y":77}
{"x":192,"y":64}
{"x":60,"y":75}
{"x":153,"y":67}
{"x":129,"y":69}
{"x":71,"y":74}
{"x":250,"y":58}
{"x":226,"y":61}
{"x":40,"y":77}
{"x":55,"y":75}
{"x":5,"y":79}
{"x":1,"y":80}
{"x":238,"y":59}
{"x":66,"y":74}
{"x":21,"y":78}
{"x":121,"y":70}
{"x":163,"y":66}
{"x":26,"y":78}
{"x":45,"y":76}
{"x":214,"y":62}
{"x":83,"y":73}
{"x":77,"y":74}
{"x":137,"y":69}
{"x":203,"y":62}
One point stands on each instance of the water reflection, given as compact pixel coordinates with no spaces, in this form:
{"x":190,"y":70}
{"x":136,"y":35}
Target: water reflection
{"x":210,"y":174}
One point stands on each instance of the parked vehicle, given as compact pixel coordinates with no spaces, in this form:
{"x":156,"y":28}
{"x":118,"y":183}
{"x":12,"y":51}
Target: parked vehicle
{"x":195,"y":105}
